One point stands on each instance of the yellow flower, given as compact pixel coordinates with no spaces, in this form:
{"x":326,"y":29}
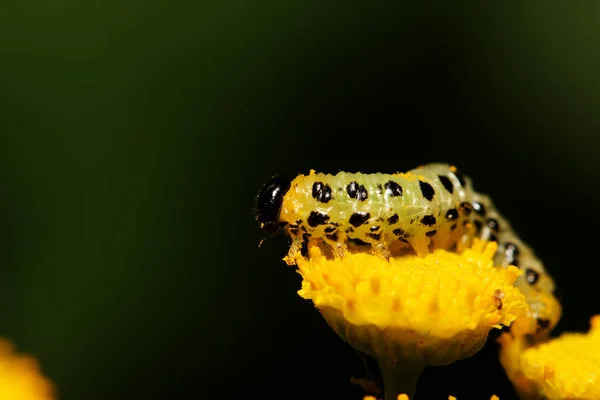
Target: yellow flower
{"x":438,"y":308}
{"x":405,"y":397}
{"x":412,"y":311}
{"x":567,"y":367}
{"x":20,"y":377}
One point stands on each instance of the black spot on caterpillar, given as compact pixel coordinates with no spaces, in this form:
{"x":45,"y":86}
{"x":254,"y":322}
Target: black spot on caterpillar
{"x":433,"y":206}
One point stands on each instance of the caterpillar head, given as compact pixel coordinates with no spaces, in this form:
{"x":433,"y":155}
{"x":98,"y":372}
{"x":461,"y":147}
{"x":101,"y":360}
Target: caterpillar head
{"x":269,"y":201}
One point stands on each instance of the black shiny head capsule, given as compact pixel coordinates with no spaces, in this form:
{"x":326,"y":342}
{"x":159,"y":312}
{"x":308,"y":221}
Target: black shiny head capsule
{"x":269,"y":201}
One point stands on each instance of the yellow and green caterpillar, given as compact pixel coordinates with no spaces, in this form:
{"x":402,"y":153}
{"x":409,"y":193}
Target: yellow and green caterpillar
{"x":430,"y":207}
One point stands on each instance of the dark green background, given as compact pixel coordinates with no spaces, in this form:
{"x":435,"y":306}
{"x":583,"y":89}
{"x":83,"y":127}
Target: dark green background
{"x":135,"y":135}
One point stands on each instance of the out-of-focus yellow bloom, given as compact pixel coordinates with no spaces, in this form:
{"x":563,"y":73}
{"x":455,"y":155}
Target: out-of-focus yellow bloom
{"x":20,"y":376}
{"x":436,"y":309}
{"x":410,"y":311}
{"x":567,"y":367}
{"x":405,"y":397}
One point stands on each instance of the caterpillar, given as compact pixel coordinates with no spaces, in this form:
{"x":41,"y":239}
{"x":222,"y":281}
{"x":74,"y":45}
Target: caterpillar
{"x":431,"y":207}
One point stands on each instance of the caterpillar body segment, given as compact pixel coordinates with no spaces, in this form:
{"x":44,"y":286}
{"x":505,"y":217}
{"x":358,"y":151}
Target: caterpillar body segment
{"x":378,"y":209}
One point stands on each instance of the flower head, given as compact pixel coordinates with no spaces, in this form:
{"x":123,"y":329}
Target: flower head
{"x":411,"y":311}
{"x":567,"y":367}
{"x":434,"y":309}
{"x":20,"y":377}
{"x":405,"y":397}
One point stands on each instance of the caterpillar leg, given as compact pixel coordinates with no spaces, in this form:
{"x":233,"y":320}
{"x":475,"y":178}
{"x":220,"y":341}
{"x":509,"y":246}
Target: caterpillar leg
{"x":377,"y":240}
{"x":295,"y":247}
{"x":420,"y":245}
{"x":442,"y":240}
{"x":381,"y":249}
{"x":337,"y":242}
{"x":463,"y":243}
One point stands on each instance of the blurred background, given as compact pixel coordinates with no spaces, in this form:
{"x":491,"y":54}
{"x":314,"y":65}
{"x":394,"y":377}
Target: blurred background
{"x":135,"y":135}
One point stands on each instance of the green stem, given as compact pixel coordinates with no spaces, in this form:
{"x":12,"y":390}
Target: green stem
{"x":400,"y":378}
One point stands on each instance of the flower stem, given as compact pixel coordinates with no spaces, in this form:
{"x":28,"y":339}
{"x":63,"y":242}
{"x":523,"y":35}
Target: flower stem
{"x":400,"y":378}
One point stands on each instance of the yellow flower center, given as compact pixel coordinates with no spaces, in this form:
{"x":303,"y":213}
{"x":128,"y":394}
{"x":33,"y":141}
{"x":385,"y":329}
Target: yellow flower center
{"x":443,"y":301}
{"x":440,"y":295}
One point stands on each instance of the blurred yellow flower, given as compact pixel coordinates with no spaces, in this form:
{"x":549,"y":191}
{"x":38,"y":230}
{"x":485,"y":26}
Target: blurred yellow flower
{"x":405,"y":397}
{"x":412,"y":311}
{"x":20,"y":376}
{"x":567,"y":367}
